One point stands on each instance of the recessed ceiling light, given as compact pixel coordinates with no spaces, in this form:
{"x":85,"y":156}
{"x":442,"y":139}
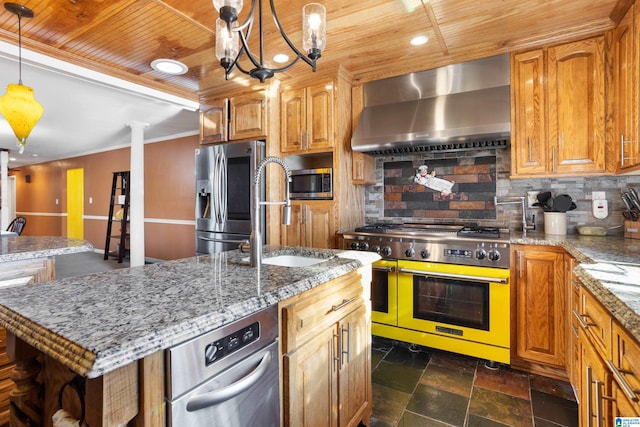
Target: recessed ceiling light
{"x":169,"y":66}
{"x":419,"y":40}
{"x":12,"y":159}
{"x":281,"y":58}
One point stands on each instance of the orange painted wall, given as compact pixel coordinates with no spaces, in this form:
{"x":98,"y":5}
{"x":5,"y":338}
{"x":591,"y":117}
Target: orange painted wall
{"x":169,"y":195}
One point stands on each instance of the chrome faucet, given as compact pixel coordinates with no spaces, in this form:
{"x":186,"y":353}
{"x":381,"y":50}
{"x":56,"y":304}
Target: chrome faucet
{"x":255,"y":241}
{"x":521,"y":201}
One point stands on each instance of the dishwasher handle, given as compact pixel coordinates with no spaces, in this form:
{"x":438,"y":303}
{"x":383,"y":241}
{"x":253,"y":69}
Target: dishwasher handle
{"x":232,"y":390}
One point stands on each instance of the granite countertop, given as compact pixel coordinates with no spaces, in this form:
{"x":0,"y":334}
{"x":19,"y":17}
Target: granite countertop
{"x":29,"y":247}
{"x":96,"y":323}
{"x":609,"y":267}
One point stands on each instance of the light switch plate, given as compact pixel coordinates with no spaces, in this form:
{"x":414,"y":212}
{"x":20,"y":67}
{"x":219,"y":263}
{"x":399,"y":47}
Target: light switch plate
{"x":598,"y":195}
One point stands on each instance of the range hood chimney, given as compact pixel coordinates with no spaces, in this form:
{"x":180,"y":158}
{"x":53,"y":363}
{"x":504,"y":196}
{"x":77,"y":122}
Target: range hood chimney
{"x":457,"y":107}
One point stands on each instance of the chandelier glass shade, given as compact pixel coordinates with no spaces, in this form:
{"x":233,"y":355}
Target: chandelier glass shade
{"x":18,"y":106}
{"x":21,"y":110}
{"x":232,"y":38}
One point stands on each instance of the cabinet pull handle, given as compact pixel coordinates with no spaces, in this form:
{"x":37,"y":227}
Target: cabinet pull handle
{"x":621,"y":150}
{"x":338,"y":358}
{"x":530,"y":150}
{"x":307,"y":139}
{"x":588,"y":394}
{"x":553,"y":159}
{"x":348,"y":352}
{"x":301,"y":144}
{"x":343,"y":304}
{"x":575,"y":331}
{"x":583,"y":324}
{"x":576,"y":284}
{"x":622,"y":382}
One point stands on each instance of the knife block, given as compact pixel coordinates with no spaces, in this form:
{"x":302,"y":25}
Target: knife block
{"x":632,"y":229}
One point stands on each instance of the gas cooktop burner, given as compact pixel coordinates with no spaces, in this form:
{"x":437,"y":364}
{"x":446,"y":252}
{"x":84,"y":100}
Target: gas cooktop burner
{"x":377,"y":228}
{"x":479,"y":232}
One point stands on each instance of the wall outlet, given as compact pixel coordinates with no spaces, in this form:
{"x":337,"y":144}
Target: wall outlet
{"x":598,"y":195}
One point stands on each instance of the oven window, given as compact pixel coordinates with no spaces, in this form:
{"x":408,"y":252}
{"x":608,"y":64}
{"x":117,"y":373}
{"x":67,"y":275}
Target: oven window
{"x":450,"y":301}
{"x":380,"y":291}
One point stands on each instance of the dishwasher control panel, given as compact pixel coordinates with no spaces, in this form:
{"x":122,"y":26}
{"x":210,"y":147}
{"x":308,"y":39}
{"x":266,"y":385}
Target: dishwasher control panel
{"x":231,"y":343}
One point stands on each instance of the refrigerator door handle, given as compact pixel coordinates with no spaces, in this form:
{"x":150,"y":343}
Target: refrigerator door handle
{"x":223,"y":184}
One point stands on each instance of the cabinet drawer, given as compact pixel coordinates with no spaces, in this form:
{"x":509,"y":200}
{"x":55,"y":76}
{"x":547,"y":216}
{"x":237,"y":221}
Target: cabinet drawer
{"x":303,"y":318}
{"x":596,"y":321}
{"x":626,"y":365}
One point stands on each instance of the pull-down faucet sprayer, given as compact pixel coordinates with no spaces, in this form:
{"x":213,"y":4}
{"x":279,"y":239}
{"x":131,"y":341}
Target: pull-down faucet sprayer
{"x":255,"y":241}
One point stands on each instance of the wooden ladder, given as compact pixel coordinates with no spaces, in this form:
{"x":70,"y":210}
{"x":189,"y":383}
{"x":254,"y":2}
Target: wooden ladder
{"x":119,"y":197}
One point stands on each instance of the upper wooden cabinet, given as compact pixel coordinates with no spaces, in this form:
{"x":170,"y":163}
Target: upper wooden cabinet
{"x":626,"y":92}
{"x":240,"y":117}
{"x":559,"y":110}
{"x":529,"y":139}
{"x":248,"y":116}
{"x":577,"y":107}
{"x":307,"y":121}
{"x":214,"y":121}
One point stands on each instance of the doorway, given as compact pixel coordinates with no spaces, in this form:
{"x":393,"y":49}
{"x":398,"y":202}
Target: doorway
{"x":75,"y":203}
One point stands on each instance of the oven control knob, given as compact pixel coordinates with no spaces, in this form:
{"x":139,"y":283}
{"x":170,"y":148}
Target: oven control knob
{"x":364,"y":246}
{"x":425,"y":253}
{"x":375,"y":249}
{"x":355,"y":245}
{"x":481,"y":254}
{"x":410,"y":252}
{"x":494,"y":255}
{"x":210,"y":353}
{"x":386,"y":251}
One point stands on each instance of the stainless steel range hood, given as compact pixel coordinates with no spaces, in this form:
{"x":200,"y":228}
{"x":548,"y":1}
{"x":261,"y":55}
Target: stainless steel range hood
{"x":460,"y":106}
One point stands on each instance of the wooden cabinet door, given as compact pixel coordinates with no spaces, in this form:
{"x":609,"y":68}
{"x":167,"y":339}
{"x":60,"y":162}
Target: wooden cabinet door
{"x":576,"y":107}
{"x":310,"y":383}
{"x":626,"y":95}
{"x":540,"y":307}
{"x":248,"y":116}
{"x":213,"y":122}
{"x":364,"y":168}
{"x":319,"y":225}
{"x":293,"y":124}
{"x":529,"y":137}
{"x":354,"y":396}
{"x":596,"y":387}
{"x":6,"y":384}
{"x":319,"y":120}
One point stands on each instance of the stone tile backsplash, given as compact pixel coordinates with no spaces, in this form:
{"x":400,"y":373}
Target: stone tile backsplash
{"x":478,"y":176}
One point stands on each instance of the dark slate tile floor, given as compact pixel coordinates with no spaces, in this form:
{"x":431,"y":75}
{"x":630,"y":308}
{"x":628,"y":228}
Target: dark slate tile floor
{"x":415,"y":386}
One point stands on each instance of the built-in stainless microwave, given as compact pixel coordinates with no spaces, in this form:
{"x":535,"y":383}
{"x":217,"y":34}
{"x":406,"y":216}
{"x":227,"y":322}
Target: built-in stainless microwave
{"x":309,"y":184}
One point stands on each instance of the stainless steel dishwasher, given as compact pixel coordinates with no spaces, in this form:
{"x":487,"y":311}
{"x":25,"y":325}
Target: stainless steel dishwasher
{"x":226,"y":377}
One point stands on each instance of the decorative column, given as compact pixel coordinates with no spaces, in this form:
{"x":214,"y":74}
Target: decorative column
{"x":4,"y":190}
{"x":136,"y":195}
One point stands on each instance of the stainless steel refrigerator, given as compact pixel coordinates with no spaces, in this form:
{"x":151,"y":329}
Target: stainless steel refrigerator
{"x":224,"y":188}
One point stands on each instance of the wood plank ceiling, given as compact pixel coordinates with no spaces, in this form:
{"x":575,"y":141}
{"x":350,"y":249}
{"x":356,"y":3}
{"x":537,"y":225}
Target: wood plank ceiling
{"x":369,"y":38}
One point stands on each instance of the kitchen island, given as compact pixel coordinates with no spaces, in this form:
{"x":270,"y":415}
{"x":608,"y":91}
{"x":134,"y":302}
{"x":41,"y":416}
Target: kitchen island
{"x":23,"y":260}
{"x":98,"y":326}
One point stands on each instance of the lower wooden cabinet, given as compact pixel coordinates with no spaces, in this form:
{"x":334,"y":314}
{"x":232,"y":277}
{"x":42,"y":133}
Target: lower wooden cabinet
{"x":540,"y":309}
{"x":312,"y":225}
{"x":609,"y":359}
{"x":326,"y":362}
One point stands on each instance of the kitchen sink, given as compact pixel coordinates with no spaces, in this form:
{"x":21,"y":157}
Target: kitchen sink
{"x":292,"y":260}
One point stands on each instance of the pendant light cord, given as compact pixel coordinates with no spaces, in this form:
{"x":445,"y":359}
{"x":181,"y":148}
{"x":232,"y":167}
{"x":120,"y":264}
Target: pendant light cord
{"x":19,"y":48}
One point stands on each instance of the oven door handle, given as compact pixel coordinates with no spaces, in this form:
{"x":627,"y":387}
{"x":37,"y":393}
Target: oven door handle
{"x":482,"y":279}
{"x":385,"y":269}
{"x":232,"y":390}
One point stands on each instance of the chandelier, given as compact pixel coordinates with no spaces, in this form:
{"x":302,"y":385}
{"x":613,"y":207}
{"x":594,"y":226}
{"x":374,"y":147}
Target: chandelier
{"x":18,"y":106}
{"x":230,"y":35}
